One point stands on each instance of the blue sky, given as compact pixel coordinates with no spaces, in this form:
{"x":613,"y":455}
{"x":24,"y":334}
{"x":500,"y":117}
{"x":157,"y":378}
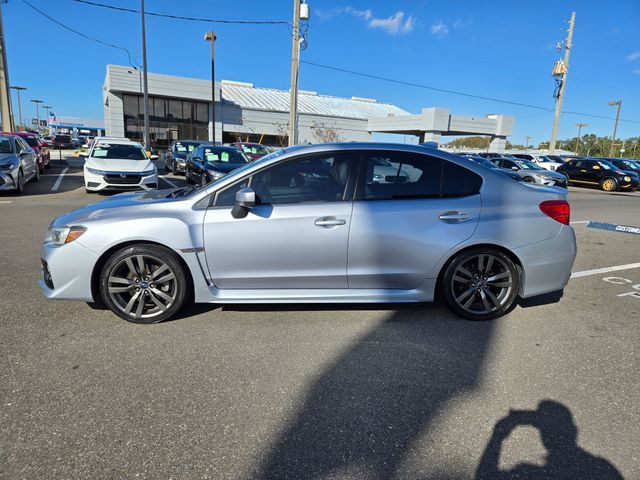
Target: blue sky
{"x":498,"y":48}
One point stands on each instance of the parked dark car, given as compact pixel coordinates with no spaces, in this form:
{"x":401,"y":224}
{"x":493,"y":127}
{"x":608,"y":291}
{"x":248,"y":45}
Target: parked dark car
{"x":62,"y":141}
{"x":489,"y":155}
{"x":175,"y":159}
{"x":252,"y":150}
{"x":41,"y":149}
{"x":18,"y":163}
{"x":594,"y":172}
{"x":208,"y":163}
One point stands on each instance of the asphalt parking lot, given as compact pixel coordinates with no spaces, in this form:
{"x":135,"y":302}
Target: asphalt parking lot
{"x":362,"y":392}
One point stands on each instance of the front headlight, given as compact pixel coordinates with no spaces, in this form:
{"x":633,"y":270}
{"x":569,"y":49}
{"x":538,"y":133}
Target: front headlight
{"x":627,"y":178}
{"x":96,"y":171}
{"x":62,"y":235}
{"x":215,"y":174}
{"x":146,"y":173}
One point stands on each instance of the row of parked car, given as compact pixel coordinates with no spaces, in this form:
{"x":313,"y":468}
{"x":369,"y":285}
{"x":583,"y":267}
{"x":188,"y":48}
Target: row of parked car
{"x":609,"y":174}
{"x":24,"y":156}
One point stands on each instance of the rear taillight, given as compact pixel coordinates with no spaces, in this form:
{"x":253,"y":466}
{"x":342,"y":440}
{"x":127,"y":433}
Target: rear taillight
{"x":559,"y":210}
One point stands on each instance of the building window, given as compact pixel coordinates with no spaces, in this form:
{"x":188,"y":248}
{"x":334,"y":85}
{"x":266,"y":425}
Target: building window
{"x":169,"y":119}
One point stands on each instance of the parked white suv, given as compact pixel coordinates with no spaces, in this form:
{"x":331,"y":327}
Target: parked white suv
{"x":119,"y":164}
{"x":541,"y":160}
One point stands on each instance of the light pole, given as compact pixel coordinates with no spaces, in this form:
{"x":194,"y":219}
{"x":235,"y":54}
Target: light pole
{"x":300,"y":12}
{"x":615,"y":126}
{"x":579,"y":125}
{"x":526,"y":139}
{"x":38,"y":102}
{"x":47,"y":108}
{"x":147,"y":140}
{"x":18,"y":90}
{"x":211,"y":37}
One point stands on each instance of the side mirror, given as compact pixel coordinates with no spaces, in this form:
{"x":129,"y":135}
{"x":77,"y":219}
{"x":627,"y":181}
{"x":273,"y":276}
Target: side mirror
{"x":245,"y":199}
{"x":196,"y":159}
{"x":514,"y":168}
{"x":154,"y":157}
{"x":84,"y":154}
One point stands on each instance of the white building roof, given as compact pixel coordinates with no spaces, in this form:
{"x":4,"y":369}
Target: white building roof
{"x":247,"y":96}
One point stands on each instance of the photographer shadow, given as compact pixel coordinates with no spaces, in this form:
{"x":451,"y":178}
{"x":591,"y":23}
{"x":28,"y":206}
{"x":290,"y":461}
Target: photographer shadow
{"x":559,"y":434}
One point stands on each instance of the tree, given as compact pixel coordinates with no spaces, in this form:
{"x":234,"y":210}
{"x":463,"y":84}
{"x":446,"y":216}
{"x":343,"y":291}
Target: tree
{"x":324,"y":134}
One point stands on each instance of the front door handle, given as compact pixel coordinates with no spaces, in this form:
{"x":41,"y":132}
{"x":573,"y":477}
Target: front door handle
{"x":453,"y":217}
{"x":329,"y":222}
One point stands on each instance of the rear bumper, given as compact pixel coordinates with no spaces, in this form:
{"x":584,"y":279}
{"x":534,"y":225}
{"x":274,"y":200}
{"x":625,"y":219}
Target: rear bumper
{"x":547,"y":264}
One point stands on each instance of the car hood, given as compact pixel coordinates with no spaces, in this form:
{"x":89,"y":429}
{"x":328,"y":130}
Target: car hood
{"x":547,"y":173}
{"x":114,"y":205}
{"x":224,"y":167}
{"x":119,"y":165}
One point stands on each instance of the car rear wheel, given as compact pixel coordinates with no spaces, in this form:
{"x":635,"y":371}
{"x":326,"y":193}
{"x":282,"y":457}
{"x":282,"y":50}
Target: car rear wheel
{"x":20,"y":182}
{"x":609,"y":184}
{"x":36,"y":176}
{"x":481,"y":284}
{"x":144,"y":283}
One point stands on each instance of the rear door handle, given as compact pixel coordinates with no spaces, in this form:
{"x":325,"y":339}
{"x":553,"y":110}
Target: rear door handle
{"x":329,"y":222}
{"x":453,"y":217}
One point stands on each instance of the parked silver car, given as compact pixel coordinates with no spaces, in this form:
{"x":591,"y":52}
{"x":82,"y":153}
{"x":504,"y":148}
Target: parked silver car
{"x":531,"y":172}
{"x":18,"y":163}
{"x":312,"y":225}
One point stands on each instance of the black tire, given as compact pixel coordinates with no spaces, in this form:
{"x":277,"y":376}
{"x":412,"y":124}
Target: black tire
{"x":187,"y":176}
{"x":36,"y":177}
{"x":140,"y":284}
{"x":481,"y":290}
{"x":20,"y":186}
{"x":609,"y":184}
{"x":48,"y":165}
{"x":174,"y":169}
{"x":527,"y":179}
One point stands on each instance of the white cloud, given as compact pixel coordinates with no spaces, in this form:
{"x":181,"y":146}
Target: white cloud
{"x":398,"y":23}
{"x":439,"y":29}
{"x":462,"y":22}
{"x":637,"y":71}
{"x":633,"y":56}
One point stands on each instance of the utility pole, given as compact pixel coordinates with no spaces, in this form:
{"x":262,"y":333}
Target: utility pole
{"x":615,"y":126}
{"x":18,"y":90}
{"x":5,"y":93}
{"x":211,"y":37}
{"x":579,"y":125}
{"x":526,"y":139}
{"x":147,"y":140}
{"x":295,"y":64}
{"x":563,"y":84}
{"x":37,"y":102}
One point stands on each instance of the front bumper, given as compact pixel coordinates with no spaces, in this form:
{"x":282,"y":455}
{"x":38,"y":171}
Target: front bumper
{"x":8,"y":179}
{"x":179,"y":167}
{"x":119,"y":181}
{"x":547,"y":264}
{"x":67,"y":271}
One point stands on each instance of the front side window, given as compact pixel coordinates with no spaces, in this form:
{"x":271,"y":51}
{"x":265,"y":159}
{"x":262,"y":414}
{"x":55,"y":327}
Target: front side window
{"x":227,"y":197}
{"x":111,"y":151}
{"x":317,"y":178}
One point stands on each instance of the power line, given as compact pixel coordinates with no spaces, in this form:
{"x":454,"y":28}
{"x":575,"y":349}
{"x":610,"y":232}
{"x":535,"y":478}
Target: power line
{"x":455,"y":92}
{"x":79,"y":33}
{"x":180,"y":17}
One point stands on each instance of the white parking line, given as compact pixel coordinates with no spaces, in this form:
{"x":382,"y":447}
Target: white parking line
{"x":169,"y":182}
{"x":580,"y":221}
{"x":59,"y":180}
{"x":5,"y":201}
{"x":597,"y":271}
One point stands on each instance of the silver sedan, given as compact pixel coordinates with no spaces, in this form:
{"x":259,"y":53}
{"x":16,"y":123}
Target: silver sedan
{"x":315,"y":224}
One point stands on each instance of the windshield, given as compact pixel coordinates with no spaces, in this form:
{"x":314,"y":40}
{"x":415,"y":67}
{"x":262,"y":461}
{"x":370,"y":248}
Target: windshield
{"x":5,"y":145}
{"x":62,"y":138}
{"x":184,"y":148}
{"x":630,"y":165}
{"x":483,"y":161}
{"x":224,"y":155}
{"x":254,"y":149}
{"x":115,"y":151}
{"x":31,"y":141}
{"x":554,"y":158}
{"x":527,"y":165}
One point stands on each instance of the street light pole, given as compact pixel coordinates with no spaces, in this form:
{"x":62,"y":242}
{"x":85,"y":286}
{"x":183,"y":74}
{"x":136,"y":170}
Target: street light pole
{"x":147,"y":140}
{"x":211,"y":37}
{"x":38,"y":102}
{"x":579,"y":125}
{"x":18,"y":90}
{"x":527,"y":138}
{"x":5,"y":93}
{"x":615,"y":126}
{"x":295,"y":64}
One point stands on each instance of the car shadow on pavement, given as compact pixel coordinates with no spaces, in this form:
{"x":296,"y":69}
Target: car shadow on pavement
{"x":559,"y":434}
{"x":365,"y":413}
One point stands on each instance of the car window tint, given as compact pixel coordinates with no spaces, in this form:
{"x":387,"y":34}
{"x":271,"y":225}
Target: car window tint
{"x":227,"y":197}
{"x":5,"y":145}
{"x":458,"y":181}
{"x":401,"y":175}
{"x":317,"y":178}
{"x":508,"y":164}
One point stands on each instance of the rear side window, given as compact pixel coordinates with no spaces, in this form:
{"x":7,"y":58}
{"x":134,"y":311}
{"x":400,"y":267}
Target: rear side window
{"x":457,"y":181}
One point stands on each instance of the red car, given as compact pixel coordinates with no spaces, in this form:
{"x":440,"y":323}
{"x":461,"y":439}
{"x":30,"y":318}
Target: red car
{"x":41,"y":149}
{"x":252,"y":150}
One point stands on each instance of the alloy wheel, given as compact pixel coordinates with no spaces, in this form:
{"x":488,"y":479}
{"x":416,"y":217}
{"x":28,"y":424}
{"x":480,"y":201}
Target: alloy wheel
{"x":608,"y":185}
{"x":482,"y":284}
{"x":142,"y":286}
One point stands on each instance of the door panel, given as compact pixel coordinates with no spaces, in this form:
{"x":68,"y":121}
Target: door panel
{"x":278,"y":246}
{"x":396,"y":243}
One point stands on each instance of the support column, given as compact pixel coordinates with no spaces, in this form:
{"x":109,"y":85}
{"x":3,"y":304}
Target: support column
{"x":431,"y":137}
{"x":498,"y":145}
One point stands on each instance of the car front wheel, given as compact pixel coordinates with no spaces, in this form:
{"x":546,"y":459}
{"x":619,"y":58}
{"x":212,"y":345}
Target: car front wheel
{"x":609,"y":184}
{"x":144,"y":283}
{"x":481,"y":284}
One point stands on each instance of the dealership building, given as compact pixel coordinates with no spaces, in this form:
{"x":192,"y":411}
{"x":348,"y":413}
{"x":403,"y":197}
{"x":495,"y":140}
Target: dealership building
{"x":180,"y":108}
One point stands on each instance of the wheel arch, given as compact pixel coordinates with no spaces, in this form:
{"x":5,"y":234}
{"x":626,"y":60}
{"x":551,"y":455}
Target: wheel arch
{"x":97,"y":267}
{"x":514,"y":258}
